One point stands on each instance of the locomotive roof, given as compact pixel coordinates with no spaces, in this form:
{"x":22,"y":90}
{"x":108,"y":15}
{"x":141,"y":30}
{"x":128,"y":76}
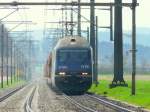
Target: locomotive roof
{"x":72,"y":41}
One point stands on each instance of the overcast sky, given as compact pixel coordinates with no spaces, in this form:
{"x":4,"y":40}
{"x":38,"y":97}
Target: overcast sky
{"x":37,"y":15}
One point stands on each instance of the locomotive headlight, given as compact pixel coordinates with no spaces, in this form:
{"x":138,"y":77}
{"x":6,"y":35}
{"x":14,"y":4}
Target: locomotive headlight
{"x":84,"y":73}
{"x":62,"y":73}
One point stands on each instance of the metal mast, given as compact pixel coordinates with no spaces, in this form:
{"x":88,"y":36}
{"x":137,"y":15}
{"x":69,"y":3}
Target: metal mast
{"x":92,"y":37}
{"x":79,"y":19}
{"x":2,"y":53}
{"x":133,"y":45}
{"x":118,"y":47}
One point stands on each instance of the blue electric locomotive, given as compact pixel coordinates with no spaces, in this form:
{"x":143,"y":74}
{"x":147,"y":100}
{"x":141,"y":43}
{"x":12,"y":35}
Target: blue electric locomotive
{"x":72,"y":65}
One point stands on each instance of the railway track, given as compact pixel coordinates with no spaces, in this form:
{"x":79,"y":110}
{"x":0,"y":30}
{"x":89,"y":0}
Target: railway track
{"x":2,"y":98}
{"x":78,"y":105}
{"x":110,"y":104}
{"x":16,"y":101}
{"x":27,"y":106}
{"x":84,"y":106}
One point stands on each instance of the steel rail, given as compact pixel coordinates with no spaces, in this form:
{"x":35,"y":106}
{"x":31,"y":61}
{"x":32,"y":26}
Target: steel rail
{"x":64,"y":3}
{"x":110,"y":105}
{"x":80,"y":106}
{"x":28,"y":102}
{"x":2,"y":98}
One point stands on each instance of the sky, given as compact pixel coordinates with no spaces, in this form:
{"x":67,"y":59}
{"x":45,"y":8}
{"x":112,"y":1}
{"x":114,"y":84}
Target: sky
{"x":38,"y":16}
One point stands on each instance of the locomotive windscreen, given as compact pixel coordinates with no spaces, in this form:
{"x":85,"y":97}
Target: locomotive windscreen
{"x":73,"y":56}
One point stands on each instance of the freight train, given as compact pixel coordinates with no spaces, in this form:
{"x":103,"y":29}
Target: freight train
{"x":70,"y":65}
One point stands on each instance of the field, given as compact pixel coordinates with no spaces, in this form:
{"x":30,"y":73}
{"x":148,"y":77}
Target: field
{"x":14,"y":84}
{"x":142,"y":97}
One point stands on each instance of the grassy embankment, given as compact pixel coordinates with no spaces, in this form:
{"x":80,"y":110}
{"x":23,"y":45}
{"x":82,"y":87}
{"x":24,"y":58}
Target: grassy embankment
{"x":14,"y":83}
{"x":142,"y":97}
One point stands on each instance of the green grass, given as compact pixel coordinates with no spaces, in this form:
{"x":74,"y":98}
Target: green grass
{"x":14,"y":83}
{"x":142,"y":97}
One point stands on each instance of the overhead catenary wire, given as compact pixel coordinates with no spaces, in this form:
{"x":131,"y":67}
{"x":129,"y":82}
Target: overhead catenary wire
{"x":9,"y":14}
{"x":107,"y":27}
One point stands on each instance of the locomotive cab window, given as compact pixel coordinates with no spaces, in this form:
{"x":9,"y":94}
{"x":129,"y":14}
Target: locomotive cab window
{"x":65,"y":56}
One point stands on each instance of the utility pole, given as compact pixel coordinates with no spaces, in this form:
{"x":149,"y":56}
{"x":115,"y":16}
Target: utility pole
{"x":29,"y":74}
{"x":79,"y":19}
{"x":118,"y":47}
{"x":14,"y":62}
{"x":7,"y":56}
{"x":133,"y":45}
{"x":88,"y":34}
{"x":2,"y":53}
{"x":92,"y":37}
{"x":71,"y":23}
{"x":11,"y":52}
{"x":17,"y":63}
{"x":21,"y":65}
{"x":62,"y":23}
{"x":66,"y":19}
{"x":111,"y":23}
{"x":96,"y":51}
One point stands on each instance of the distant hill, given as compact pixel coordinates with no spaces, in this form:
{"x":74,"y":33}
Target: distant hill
{"x":143,"y":36}
{"x":106,"y":56}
